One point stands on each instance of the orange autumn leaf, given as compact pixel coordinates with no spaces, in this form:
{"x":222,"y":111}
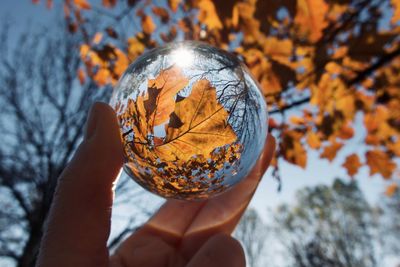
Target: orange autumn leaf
{"x":208,"y":14}
{"x":148,"y":25}
{"x":310,"y":18}
{"x":391,"y":189}
{"x":97,"y":38}
{"x":109,"y":3}
{"x":174,"y":4}
{"x":82,"y":4}
{"x":380,"y":162}
{"x":346,"y":132}
{"x":297,"y":120}
{"x":162,"y":13}
{"x":313,"y":140}
{"x":102,"y":76}
{"x":292,"y":149}
{"x":331,"y":151}
{"x":135,"y":48}
{"x":81,"y":76}
{"x":396,"y":11}
{"x":160,"y":101}
{"x":279,"y":50}
{"x":197,"y":125}
{"x":352,"y":164}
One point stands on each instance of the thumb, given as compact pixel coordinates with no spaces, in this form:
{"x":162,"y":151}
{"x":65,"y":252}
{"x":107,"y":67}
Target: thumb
{"x":79,"y":219}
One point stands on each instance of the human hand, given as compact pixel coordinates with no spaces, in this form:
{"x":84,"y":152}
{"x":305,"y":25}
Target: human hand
{"x":181,"y":233}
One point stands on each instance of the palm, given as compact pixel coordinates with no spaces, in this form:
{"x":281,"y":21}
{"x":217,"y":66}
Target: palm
{"x":179,"y":230}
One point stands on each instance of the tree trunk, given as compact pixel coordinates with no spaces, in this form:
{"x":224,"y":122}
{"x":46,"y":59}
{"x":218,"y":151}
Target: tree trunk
{"x":31,"y":249}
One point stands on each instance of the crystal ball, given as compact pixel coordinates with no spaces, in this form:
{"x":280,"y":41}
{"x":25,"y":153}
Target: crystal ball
{"x":193,"y":120}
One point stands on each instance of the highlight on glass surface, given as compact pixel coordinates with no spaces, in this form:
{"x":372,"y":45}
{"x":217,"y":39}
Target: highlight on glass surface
{"x":193,"y":120}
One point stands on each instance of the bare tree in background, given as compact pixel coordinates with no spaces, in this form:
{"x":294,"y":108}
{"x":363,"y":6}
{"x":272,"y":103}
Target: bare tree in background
{"x":328,"y":226}
{"x":252,"y":233}
{"x":43,"y":108}
{"x":389,"y":224}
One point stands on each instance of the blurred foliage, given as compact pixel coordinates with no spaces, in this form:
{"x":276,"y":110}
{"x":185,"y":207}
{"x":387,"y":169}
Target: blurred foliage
{"x":328,"y":226}
{"x":326,"y":59}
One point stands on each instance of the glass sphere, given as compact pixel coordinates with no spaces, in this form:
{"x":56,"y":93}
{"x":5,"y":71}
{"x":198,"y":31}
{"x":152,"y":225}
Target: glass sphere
{"x":193,"y":120}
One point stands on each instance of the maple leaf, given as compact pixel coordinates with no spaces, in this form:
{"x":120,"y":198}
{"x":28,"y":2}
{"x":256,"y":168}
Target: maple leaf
{"x":208,"y":15}
{"x":160,"y":100}
{"x":102,"y":76}
{"x":352,"y":164}
{"x":292,"y":149}
{"x":197,"y":126}
{"x":331,"y":151}
{"x":380,"y":162}
{"x":313,"y":140}
{"x":310,"y":18}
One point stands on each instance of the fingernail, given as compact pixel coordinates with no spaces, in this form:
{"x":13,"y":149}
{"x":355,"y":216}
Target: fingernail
{"x":91,"y":122}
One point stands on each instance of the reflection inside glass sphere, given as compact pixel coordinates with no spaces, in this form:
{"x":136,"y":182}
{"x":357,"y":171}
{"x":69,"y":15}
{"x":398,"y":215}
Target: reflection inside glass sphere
{"x":193,"y":120}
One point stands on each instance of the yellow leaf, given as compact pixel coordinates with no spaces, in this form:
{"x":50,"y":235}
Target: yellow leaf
{"x":396,"y":11}
{"x":279,"y":50}
{"x":148,"y":25}
{"x":313,"y":140}
{"x":391,"y":189}
{"x":102,"y":76}
{"x":310,"y":18}
{"x":197,"y":126}
{"x":81,"y":76}
{"x":333,"y":68}
{"x":380,"y":162}
{"x":297,"y":120}
{"x":174,"y":4}
{"x":82,"y":4}
{"x":373,"y":120}
{"x":395,"y":147}
{"x":84,"y":50}
{"x":352,"y":164}
{"x":160,"y":100}
{"x":121,"y":63}
{"x":97,"y":38}
{"x":208,"y":14}
{"x":135,"y":48}
{"x":331,"y":151}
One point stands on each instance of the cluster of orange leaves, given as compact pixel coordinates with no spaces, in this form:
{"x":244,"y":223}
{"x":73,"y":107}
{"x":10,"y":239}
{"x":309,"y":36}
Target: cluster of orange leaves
{"x":315,"y":51}
{"x":198,"y":142}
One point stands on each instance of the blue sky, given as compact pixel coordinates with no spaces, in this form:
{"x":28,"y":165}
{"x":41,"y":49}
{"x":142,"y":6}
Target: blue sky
{"x":23,"y":13}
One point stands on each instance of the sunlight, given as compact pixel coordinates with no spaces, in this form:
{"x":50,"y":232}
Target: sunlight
{"x":182,"y":57}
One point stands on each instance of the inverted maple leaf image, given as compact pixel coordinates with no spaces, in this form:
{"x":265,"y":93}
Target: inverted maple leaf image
{"x":198,"y":136}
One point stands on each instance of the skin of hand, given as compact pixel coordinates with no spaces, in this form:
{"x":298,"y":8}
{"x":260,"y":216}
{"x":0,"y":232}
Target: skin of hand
{"x":181,"y":233}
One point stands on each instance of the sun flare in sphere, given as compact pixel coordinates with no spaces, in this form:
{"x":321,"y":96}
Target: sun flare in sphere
{"x":182,"y":57}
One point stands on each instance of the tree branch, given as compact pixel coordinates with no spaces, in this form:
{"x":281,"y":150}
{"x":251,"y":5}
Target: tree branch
{"x":361,"y":76}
